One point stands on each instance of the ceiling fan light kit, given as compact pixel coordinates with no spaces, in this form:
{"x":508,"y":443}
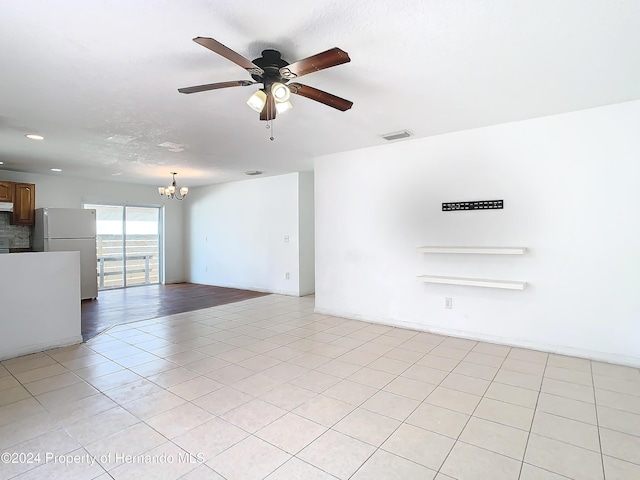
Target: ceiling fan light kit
{"x":273,"y":72}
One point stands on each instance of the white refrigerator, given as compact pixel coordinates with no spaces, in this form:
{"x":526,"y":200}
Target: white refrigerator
{"x":70,"y":230}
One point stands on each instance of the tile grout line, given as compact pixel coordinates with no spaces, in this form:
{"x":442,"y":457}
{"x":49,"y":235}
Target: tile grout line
{"x":381,"y":389}
{"x":535,"y":409}
{"x":446,"y":376}
{"x":403,"y":422}
{"x":474,"y":409}
{"x":595,"y":407}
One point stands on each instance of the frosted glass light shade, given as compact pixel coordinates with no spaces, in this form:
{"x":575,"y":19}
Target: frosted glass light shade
{"x":161,"y":190}
{"x":184,"y":191}
{"x":171,"y":190}
{"x":280,"y":92}
{"x":257,"y":101}
{"x":283,"y":107}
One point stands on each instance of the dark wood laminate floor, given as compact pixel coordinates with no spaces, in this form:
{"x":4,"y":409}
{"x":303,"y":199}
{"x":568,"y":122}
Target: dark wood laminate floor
{"x":126,"y":305}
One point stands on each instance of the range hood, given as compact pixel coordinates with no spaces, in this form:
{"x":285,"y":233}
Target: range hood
{"x":6,"y":207}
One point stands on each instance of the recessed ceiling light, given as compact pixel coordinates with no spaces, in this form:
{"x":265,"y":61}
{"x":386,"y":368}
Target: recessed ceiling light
{"x":116,"y":174}
{"x":33,"y":136}
{"x":253,"y":172}
{"x":1,"y":163}
{"x":56,"y":169}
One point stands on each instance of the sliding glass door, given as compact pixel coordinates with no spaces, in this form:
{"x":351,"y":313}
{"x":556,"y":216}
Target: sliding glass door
{"x":142,"y":245}
{"x":110,"y":245}
{"x":128,"y":245}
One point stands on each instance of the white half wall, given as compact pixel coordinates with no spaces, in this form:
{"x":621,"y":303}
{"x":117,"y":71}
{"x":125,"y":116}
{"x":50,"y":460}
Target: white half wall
{"x":67,"y":192}
{"x":236,"y":234}
{"x":570,"y":189}
{"x":39,"y":302}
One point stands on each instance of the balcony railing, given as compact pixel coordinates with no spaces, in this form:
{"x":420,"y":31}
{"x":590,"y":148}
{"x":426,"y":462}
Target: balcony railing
{"x":132,"y":270}
{"x":141,"y":261}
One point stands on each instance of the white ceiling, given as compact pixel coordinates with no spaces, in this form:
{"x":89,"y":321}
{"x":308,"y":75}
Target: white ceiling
{"x":99,"y":79}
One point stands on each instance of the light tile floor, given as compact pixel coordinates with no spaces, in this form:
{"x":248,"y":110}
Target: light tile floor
{"x":265,"y":388}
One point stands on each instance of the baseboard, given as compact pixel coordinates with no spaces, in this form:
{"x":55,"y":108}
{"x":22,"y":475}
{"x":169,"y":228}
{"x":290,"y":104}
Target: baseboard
{"x":510,"y":342}
{"x":40,"y":347}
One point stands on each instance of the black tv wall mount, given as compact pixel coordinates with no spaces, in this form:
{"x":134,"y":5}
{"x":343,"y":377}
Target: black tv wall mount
{"x":480,"y":205}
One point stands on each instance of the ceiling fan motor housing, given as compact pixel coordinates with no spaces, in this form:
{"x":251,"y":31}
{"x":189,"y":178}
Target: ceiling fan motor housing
{"x":271,"y":62}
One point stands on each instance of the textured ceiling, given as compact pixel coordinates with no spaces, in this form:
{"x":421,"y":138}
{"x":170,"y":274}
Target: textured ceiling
{"x":99,"y":79}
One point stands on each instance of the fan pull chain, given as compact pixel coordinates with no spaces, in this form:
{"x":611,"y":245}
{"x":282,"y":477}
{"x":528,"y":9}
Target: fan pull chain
{"x":270,"y":122}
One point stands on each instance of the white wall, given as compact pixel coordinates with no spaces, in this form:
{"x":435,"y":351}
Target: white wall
{"x":236,"y":234}
{"x":65,"y":192}
{"x":570,"y":187}
{"x":39,"y":302}
{"x":306,"y":229}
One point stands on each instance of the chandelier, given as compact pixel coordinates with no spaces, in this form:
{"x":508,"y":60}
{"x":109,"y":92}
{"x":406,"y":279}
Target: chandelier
{"x":170,"y":191}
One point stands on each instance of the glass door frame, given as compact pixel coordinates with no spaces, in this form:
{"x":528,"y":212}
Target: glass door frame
{"x":161,"y":235}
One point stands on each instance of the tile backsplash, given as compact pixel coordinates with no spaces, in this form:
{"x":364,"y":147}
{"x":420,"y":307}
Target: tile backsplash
{"x":18,"y":235}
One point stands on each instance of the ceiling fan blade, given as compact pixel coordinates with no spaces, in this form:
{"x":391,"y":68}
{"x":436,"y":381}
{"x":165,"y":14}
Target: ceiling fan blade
{"x":320,"y":96}
{"x":229,"y":54}
{"x":269,"y":110}
{"x":215,"y":86}
{"x":323,"y":60}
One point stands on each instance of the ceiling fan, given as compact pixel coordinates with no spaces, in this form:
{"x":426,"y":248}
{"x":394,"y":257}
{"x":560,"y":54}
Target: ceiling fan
{"x":274,"y":73}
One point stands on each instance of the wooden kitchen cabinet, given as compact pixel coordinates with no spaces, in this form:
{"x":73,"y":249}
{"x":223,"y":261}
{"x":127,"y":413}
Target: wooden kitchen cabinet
{"x":24,"y":204}
{"x":6,"y":191}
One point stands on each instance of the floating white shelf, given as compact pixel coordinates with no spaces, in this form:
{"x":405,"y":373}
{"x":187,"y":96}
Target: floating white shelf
{"x":473,"y":282}
{"x":480,"y":250}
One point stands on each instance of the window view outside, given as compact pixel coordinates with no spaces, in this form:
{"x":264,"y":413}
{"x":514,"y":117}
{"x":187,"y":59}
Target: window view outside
{"x":128,"y":245}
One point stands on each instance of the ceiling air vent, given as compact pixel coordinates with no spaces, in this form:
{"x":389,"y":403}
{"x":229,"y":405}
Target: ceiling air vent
{"x":396,"y":135}
{"x":253,"y":172}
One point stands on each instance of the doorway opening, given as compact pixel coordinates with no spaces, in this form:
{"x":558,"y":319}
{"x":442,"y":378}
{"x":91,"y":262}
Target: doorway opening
{"x":129,"y":243}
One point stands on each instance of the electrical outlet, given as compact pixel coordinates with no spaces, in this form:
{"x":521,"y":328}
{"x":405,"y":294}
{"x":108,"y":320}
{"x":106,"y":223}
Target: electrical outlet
{"x":287,"y":276}
{"x":206,"y":268}
{"x":286,"y":239}
{"x":448,"y":302}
